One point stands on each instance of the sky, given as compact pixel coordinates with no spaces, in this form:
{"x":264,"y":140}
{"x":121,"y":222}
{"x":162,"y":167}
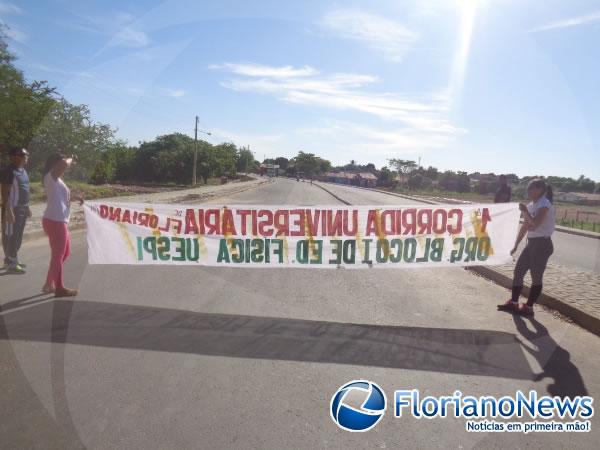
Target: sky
{"x":504,"y":86}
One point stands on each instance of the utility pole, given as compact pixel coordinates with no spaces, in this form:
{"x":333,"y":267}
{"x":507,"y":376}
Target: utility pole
{"x":195,"y":153}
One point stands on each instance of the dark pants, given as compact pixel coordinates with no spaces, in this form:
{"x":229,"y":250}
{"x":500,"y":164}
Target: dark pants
{"x":533,"y":259}
{"x":2,"y":213}
{"x":12,"y":234}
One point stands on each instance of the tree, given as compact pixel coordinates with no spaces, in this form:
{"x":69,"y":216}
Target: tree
{"x":167,"y":158}
{"x":224,"y":161}
{"x":23,"y":105}
{"x":402,"y":166}
{"x":584,"y":184}
{"x":385,"y":178}
{"x":245,"y":160}
{"x":69,"y":129}
{"x":419,"y":181}
{"x":463,"y":183}
{"x":115,"y":164}
{"x":102,"y":173}
{"x":485,"y":187}
{"x":282,"y":162}
{"x":455,"y":181}
{"x":310,"y":164}
{"x":431,"y":173}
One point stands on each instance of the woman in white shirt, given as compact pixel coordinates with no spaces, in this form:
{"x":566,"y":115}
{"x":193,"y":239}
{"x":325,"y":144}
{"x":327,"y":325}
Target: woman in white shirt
{"x":55,"y":221}
{"x":539,"y":219}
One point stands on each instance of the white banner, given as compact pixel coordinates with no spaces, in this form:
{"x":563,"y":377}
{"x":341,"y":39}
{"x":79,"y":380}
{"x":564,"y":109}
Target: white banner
{"x":301,"y":236}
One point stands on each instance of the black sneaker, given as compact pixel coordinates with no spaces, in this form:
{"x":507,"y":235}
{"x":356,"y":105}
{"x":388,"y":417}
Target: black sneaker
{"x":526,"y":310}
{"x":509,"y":306}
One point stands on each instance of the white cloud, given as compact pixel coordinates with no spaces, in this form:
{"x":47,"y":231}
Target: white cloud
{"x":384,"y":35}
{"x":409,"y":123}
{"x":571,"y":22}
{"x":259,"y":70}
{"x":175,"y":93}
{"x":346,"y":91}
{"x":359,"y":141}
{"x":293,"y":87}
{"x":70,"y":73}
{"x":9,"y":8}
{"x":128,"y":37}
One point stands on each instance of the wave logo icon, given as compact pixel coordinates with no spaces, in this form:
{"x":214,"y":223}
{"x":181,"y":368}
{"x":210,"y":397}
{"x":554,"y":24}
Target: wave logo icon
{"x":358,"y":405}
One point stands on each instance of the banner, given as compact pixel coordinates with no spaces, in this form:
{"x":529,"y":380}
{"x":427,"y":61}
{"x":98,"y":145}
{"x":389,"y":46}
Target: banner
{"x":301,"y":236}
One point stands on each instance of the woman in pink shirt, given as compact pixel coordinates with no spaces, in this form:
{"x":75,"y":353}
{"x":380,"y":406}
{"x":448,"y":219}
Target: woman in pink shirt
{"x":55,"y":221}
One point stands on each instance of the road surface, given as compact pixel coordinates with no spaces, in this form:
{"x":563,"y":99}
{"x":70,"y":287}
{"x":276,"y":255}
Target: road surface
{"x":207,"y":357}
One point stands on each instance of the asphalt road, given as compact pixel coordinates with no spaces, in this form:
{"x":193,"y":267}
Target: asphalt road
{"x":573,"y":251}
{"x":192,"y":357}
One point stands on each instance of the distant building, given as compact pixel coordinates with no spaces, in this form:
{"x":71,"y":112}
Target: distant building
{"x":271,"y":170}
{"x":341,"y":177}
{"x":364,"y":179}
{"x":570,"y":197}
{"x":580,"y":198}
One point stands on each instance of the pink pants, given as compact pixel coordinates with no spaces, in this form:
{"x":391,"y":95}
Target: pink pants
{"x":60,"y":245}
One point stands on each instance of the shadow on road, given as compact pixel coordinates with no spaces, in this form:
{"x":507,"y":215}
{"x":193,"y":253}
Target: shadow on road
{"x":26,"y":301}
{"x":473,"y":352}
{"x":555,"y":360}
{"x":26,"y":422}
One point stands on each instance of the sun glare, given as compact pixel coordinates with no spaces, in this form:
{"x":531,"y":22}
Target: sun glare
{"x":468,"y":9}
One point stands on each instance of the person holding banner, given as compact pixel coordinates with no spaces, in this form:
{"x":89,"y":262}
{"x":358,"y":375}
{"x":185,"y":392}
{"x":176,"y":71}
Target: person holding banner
{"x":55,"y":221}
{"x":539,"y":220}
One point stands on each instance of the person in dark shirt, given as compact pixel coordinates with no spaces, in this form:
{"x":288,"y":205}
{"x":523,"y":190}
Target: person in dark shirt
{"x":15,"y":208}
{"x":504,"y":193}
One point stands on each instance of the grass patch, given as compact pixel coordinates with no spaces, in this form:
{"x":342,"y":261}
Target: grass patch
{"x":92,"y":191}
{"x":587,"y":226}
{"x":89,"y":191}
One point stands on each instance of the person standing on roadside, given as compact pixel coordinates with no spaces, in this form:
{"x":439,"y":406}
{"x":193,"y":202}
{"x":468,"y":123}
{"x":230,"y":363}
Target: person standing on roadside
{"x":539,"y":218}
{"x":15,"y":208}
{"x":504,"y":193}
{"x":55,"y":222}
